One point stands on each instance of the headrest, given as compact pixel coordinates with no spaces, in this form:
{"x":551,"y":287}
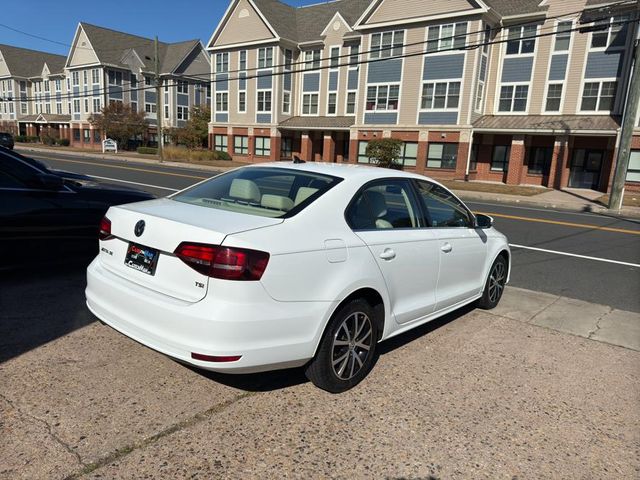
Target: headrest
{"x":303,"y":194}
{"x":244,"y":190}
{"x":277,"y":202}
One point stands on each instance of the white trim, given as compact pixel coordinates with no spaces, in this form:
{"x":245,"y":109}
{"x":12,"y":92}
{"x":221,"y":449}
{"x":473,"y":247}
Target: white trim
{"x":599,"y":81}
{"x":346,"y":103}
{"x":391,"y":49}
{"x":332,"y":21}
{"x":586,"y":257}
{"x":334,"y":114}
{"x":302,"y":114}
{"x":244,"y":44}
{"x":238,"y":102}
{"x":552,"y":53}
{"x":514,"y":85}
{"x":264,"y":112}
{"x":359,"y":25}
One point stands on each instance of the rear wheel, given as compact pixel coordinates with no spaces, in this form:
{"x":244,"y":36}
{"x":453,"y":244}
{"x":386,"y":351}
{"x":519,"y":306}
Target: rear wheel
{"x":494,"y":286}
{"x":347,"y":350}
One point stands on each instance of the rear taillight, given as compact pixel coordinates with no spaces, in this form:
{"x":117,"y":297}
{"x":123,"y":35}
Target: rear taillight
{"x":105,"y":229}
{"x":223,"y":262}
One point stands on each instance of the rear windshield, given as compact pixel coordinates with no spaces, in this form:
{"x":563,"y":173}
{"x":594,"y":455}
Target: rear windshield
{"x":262,"y":191}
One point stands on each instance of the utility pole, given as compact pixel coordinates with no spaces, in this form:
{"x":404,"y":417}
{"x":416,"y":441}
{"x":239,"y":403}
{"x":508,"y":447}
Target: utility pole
{"x":158,"y":99}
{"x":628,"y":120}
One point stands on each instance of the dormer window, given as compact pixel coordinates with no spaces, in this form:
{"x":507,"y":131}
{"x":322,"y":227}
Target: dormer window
{"x":387,"y":44}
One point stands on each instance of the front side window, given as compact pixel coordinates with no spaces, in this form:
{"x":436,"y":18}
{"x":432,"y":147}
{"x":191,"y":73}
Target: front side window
{"x":265,"y":192}
{"x":554,"y":97}
{"x":220,"y":143}
{"x":383,"y":97}
{"x":440,"y":95}
{"x":442,"y":155}
{"x":441,"y":208}
{"x":598,"y":96}
{"x":521,"y":39}
{"x":310,"y":104}
{"x":241,"y":144}
{"x":446,"y":37}
{"x":262,"y":146}
{"x":265,"y":57}
{"x":386,"y":44}
{"x":383,"y":205}
{"x":500,"y":158}
{"x":264,"y":101}
{"x":513,"y":98}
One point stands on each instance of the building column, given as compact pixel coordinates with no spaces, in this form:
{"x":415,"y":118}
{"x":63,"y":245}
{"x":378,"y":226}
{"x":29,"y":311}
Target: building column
{"x":329,"y":149}
{"x":306,"y":147}
{"x":562,"y":175}
{"x":461,"y":163}
{"x":274,"y":152}
{"x":210,"y":141}
{"x":516,"y":160}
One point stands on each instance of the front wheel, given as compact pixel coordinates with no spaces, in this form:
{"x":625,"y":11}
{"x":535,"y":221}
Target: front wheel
{"x":494,"y":285}
{"x":347,"y":350}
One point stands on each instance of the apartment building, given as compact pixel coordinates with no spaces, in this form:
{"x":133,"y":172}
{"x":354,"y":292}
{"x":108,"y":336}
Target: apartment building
{"x":32,"y":89}
{"x":513,"y":91}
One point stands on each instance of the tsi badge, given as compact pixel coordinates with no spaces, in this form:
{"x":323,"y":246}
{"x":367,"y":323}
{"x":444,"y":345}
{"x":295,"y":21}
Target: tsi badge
{"x":139,"y":228}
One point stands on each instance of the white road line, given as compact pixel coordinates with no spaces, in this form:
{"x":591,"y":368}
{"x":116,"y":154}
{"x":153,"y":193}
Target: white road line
{"x":586,"y":257}
{"x":134,"y":183}
{"x":548,"y":210}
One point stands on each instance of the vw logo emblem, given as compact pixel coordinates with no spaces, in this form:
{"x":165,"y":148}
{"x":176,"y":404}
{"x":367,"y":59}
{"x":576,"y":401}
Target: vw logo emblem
{"x":139,"y":228}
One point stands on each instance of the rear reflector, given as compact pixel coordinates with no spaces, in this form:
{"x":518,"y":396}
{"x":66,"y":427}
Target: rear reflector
{"x":105,"y":229}
{"x":215,"y":358}
{"x":223,"y":262}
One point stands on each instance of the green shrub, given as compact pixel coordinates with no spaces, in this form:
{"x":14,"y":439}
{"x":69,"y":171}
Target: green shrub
{"x":48,"y":140}
{"x":222,"y":155}
{"x":385,"y":152}
{"x":33,"y":139}
{"x":20,"y":138}
{"x":147,"y":150}
{"x":63,"y":142}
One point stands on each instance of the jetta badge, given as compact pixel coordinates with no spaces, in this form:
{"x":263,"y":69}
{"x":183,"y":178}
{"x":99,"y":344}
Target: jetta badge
{"x":139,"y":228}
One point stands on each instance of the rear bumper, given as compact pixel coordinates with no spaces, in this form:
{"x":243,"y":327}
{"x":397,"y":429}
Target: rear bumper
{"x":267,"y":333}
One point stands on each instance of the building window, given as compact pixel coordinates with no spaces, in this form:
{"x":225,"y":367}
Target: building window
{"x":351,"y":103}
{"x":242,"y":60}
{"x":288,"y":59}
{"x":263,"y":146}
{"x":166,"y":111}
{"x":241,"y":144}
{"x":96,"y":105}
{"x":265,"y":57}
{"x":446,"y":37}
{"x":354,"y":56}
{"x":440,"y":96}
{"x":76,"y":134}
{"x":222,"y":62}
{"x":76,"y":105}
{"x":148,"y":81}
{"x":86,"y":135}
{"x":95,"y":75}
{"x":633,"y":172}
{"x":500,"y":158}
{"x":85,"y":77}
{"x":59,"y":108}
{"x":442,"y":155}
{"x":310,"y":104}
{"x":182,"y":113}
{"x":513,"y":98}
{"x":386,"y":44}
{"x":222,"y":102}
{"x":554,"y":97}
{"x":409,"y":154}
{"x":613,"y":33}
{"x":220,"y":143}
{"x":331,"y":104}
{"x":242,"y":102}
{"x":334,"y":58}
{"x":598,"y":96}
{"x":183,"y":87}
{"x":150,"y":107}
{"x":383,"y":97}
{"x":286,"y":147}
{"x":48,"y":107}
{"x":521,"y":39}
{"x":264,"y":101}
{"x":115,"y":78}
{"x":563,"y":36}
{"x":311,"y":59}
{"x":362,"y":152}
{"x":539,"y":160}
{"x":473,"y":160}
{"x":286,"y":102}
{"x":76,"y":78}
{"x":58,"y":85}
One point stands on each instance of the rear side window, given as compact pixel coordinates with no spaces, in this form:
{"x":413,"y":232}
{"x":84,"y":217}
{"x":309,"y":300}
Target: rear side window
{"x":266,"y":192}
{"x":382,"y":205}
{"x":441,"y":208}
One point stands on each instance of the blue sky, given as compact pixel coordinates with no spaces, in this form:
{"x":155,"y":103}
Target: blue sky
{"x":57,"y":20}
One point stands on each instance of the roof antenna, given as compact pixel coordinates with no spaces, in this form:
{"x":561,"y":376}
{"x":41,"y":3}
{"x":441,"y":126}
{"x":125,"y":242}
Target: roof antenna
{"x":297,"y":159}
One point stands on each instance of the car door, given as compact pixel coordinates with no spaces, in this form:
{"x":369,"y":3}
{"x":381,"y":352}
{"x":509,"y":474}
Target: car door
{"x":386,"y":216}
{"x":461,"y":248}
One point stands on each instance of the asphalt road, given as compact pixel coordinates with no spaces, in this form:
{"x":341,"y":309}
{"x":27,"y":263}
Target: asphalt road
{"x":610,"y":277}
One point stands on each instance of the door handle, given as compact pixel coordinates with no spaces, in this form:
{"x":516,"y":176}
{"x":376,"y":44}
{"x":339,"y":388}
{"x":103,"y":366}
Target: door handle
{"x":446,"y":248}
{"x":388,"y":254}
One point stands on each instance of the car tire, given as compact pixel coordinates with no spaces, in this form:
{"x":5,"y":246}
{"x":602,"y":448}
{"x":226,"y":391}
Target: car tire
{"x":494,"y":286}
{"x":346,"y":353}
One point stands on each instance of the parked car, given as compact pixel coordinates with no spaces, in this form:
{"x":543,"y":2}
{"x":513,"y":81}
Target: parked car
{"x":6,"y":140}
{"x":284,"y":265}
{"x":45,"y":217}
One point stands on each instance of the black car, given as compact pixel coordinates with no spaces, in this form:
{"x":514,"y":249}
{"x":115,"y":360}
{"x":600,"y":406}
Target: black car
{"x":6,"y":140}
{"x":45,"y":217}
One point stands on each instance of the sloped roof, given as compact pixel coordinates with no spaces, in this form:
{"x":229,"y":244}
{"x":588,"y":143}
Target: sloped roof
{"x":27,"y":63}
{"x":556,"y":123}
{"x":110,"y":46}
{"x":315,"y":123}
{"x":507,"y":8}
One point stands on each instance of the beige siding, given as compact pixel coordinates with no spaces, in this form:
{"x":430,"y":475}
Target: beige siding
{"x":540,"y":69}
{"x":82,"y":53}
{"x":411,"y":87}
{"x":4,"y":70}
{"x":244,"y":25}
{"x":334,"y":38}
{"x":392,"y":10}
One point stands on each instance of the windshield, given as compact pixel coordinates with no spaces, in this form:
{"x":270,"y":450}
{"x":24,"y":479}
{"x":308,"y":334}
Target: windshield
{"x":262,"y":191}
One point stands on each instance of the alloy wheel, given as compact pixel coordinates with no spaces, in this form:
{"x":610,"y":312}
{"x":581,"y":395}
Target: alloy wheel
{"x":351,"y":345}
{"x":497,"y":280}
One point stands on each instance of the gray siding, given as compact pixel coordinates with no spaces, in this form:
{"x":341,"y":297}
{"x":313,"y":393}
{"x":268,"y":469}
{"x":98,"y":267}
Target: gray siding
{"x":386,"y":118}
{"x":311,"y":82}
{"x":443,"y":66}
{"x":385,"y":71}
{"x":333,"y":81}
{"x":264,"y":79}
{"x":517,"y":69}
{"x":222,"y":117}
{"x":352,"y":79}
{"x":558,"y":67}
{"x":263,"y":118}
{"x":603,"y":64}
{"x":222,"y":82}
{"x":438,"y":118}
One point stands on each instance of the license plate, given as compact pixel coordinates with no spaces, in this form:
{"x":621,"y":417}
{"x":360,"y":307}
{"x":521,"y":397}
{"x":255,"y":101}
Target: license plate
{"x":141,"y":258}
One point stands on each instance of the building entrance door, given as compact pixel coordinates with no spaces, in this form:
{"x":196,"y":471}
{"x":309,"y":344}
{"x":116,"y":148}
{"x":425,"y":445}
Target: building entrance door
{"x":586,"y":165}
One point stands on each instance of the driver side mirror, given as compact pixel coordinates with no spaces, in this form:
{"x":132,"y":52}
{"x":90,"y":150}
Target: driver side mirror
{"x":483,"y":221}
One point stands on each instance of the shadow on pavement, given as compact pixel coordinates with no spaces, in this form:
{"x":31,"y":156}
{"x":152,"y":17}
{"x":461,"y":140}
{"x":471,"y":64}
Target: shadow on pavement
{"x":279,"y":379}
{"x":41,"y":304}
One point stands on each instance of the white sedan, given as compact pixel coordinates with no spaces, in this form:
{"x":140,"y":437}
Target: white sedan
{"x":290,"y":264}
